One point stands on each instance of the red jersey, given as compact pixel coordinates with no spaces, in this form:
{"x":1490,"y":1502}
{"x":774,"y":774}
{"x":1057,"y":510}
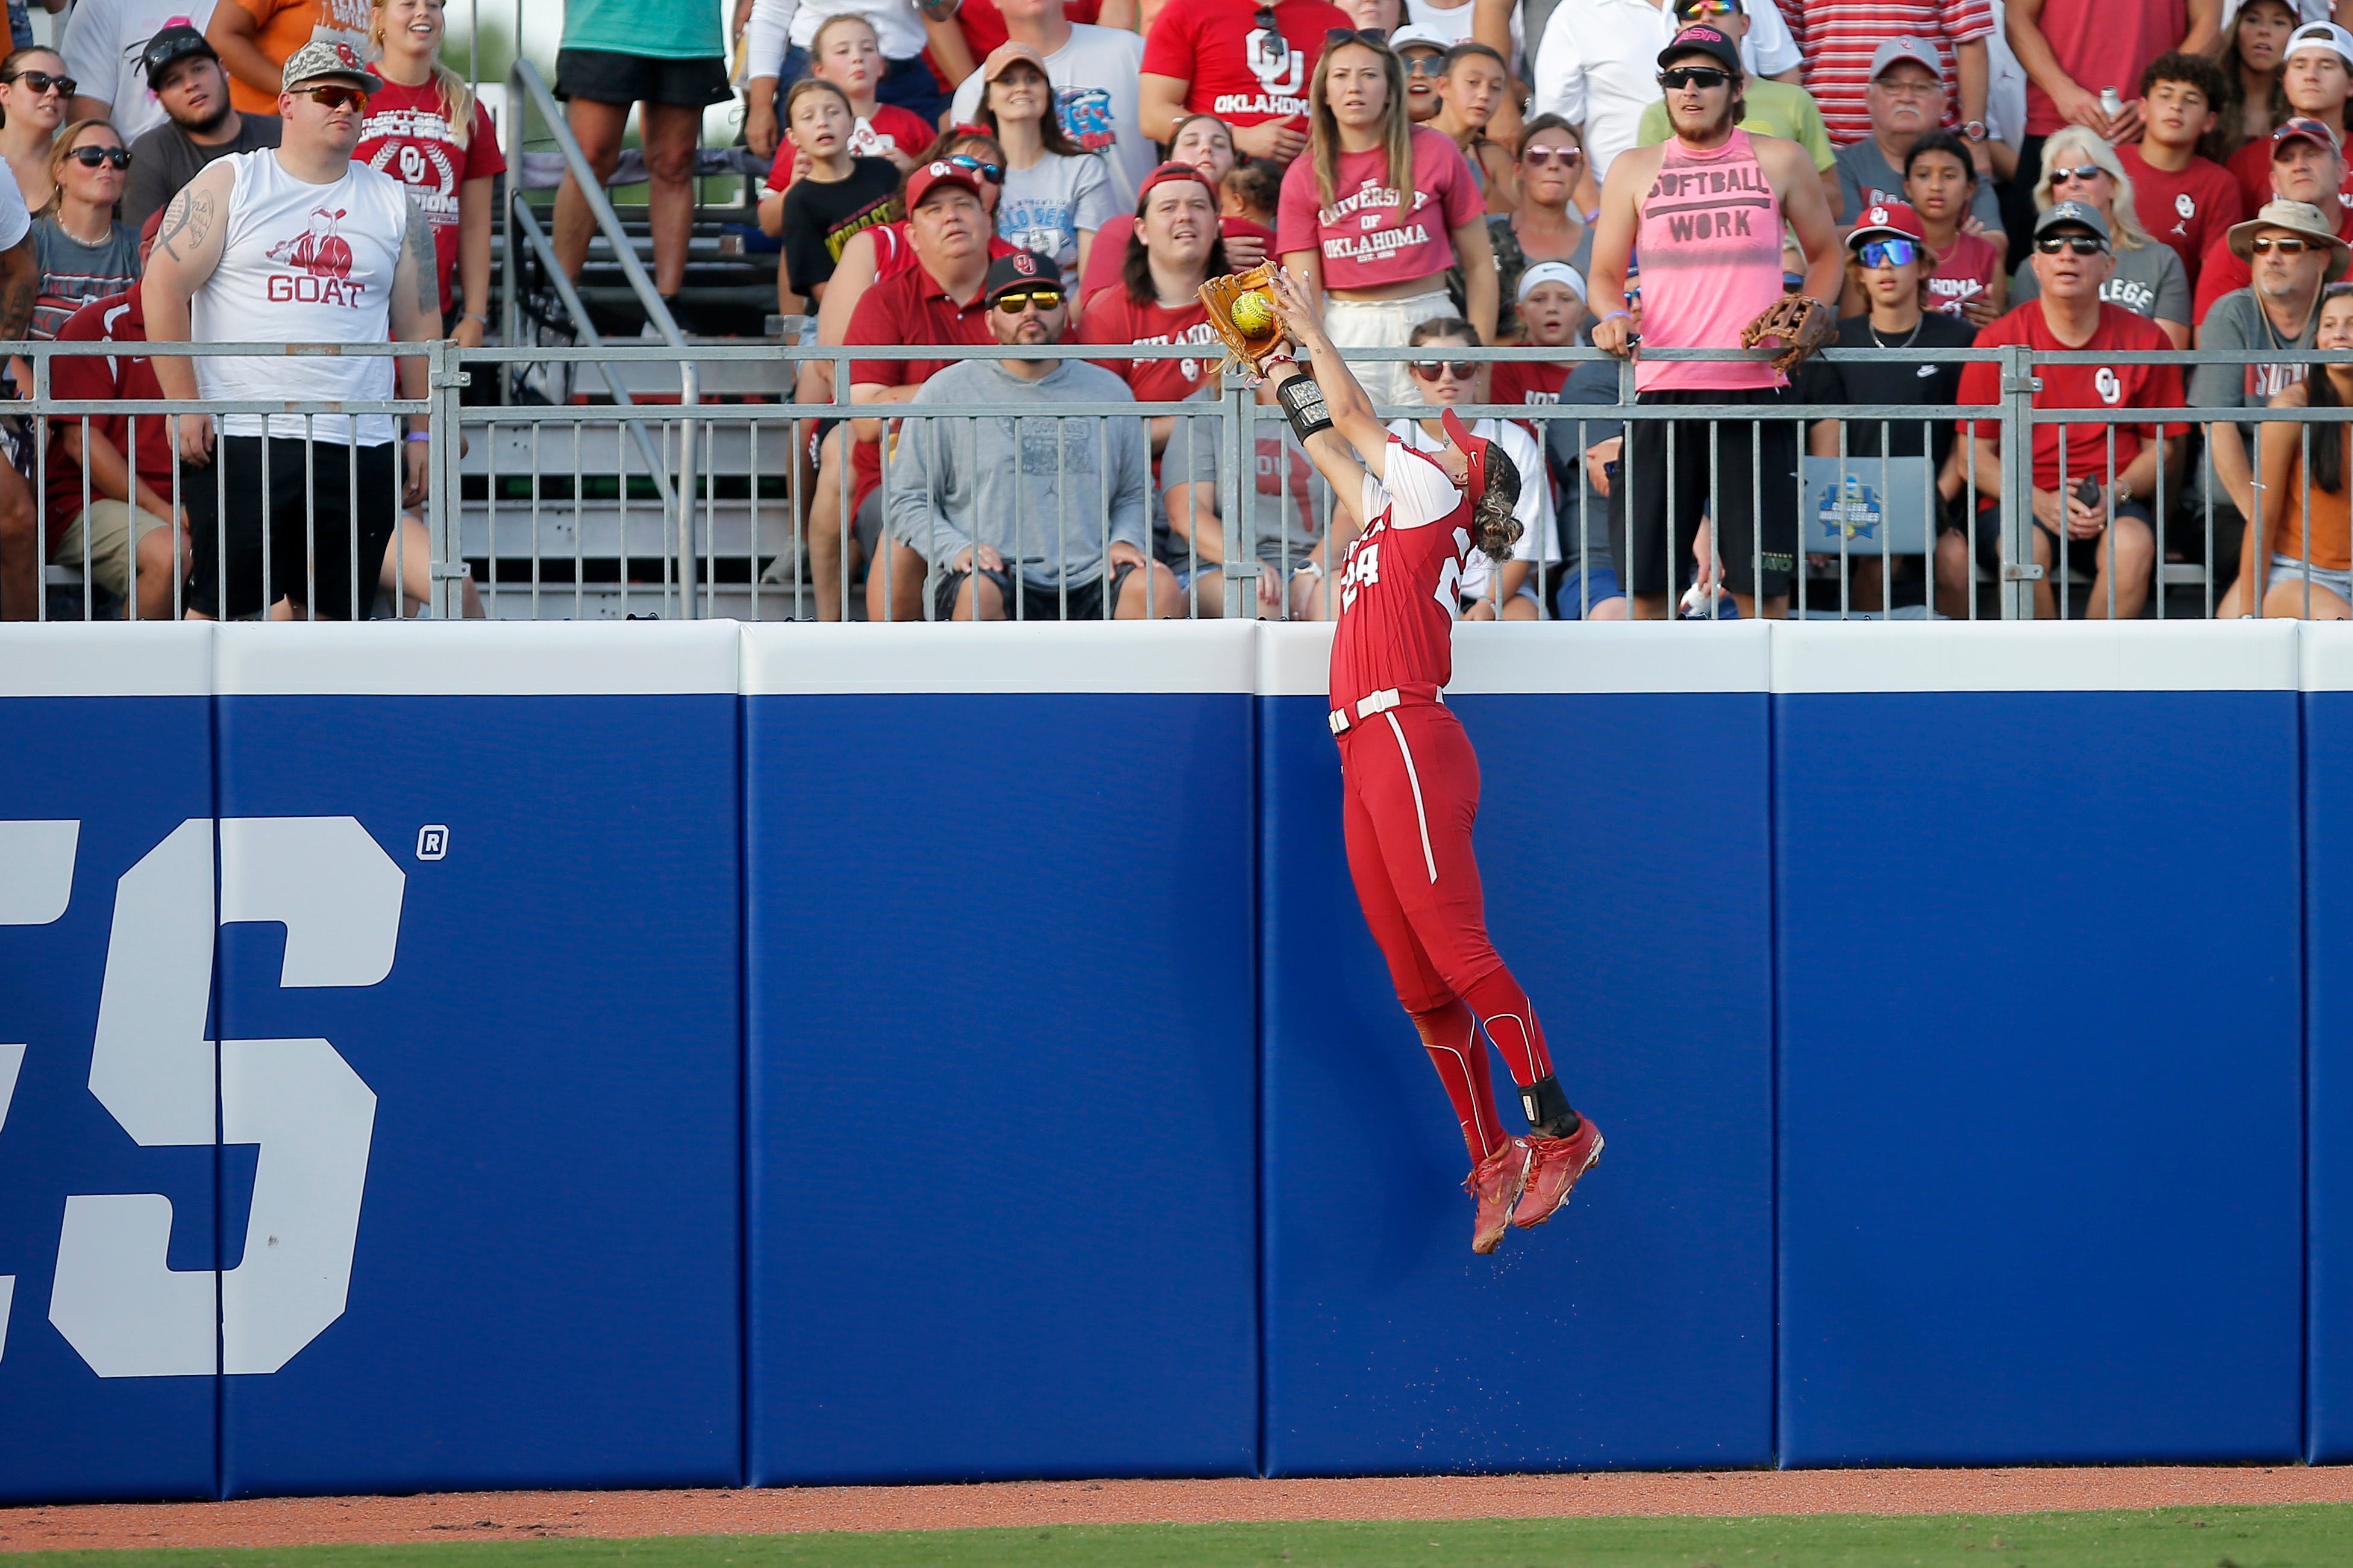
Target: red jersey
{"x":1112,"y":318}
{"x":908,"y":307}
{"x":1399,"y":591}
{"x":1367,"y":237}
{"x":2222,"y":273}
{"x":1529,"y":383}
{"x":117,"y":318}
{"x":2102,"y":44}
{"x":407,"y":135}
{"x":1964,"y":272}
{"x":1242,"y":73}
{"x":2081,"y":387}
{"x":894,"y":255}
{"x":2188,"y":210}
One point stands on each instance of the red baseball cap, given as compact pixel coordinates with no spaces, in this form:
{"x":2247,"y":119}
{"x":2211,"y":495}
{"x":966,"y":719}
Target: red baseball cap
{"x":937,"y":172}
{"x":1883,"y":220}
{"x":2306,"y":128}
{"x":1168,"y":172}
{"x":1473,"y":447}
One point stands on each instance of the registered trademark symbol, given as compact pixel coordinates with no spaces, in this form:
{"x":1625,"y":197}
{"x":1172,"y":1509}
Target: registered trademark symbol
{"x":433,"y":841}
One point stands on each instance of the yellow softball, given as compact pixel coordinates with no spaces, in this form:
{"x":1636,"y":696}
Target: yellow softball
{"x":1253,"y":315}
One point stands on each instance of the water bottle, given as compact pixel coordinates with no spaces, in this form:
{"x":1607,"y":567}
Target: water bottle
{"x":2111,"y":104}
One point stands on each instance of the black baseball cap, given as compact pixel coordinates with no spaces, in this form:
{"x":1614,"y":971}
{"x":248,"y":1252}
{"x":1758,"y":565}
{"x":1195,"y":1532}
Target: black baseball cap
{"x":1703,"y":38}
{"x":1022,"y":269}
{"x":175,"y":41}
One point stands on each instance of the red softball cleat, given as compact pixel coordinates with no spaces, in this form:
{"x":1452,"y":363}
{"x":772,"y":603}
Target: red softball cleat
{"x":1497,"y":1182}
{"x":1554,"y":1167}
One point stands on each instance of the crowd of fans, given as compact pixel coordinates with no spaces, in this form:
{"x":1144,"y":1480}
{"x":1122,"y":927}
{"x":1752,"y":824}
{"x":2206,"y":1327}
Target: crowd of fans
{"x":2126,"y":175}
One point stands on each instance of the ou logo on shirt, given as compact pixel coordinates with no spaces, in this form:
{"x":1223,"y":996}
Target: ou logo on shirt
{"x":2110,"y":386}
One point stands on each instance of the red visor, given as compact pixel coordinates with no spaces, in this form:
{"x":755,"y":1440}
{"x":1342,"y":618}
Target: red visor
{"x":1472,"y":448}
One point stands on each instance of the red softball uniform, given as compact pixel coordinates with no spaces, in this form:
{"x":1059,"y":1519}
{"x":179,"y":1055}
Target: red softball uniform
{"x":1410,"y":786}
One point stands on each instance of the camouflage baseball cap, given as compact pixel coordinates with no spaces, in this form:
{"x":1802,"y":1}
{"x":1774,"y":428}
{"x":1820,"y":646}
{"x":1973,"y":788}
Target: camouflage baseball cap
{"x":321,"y":58}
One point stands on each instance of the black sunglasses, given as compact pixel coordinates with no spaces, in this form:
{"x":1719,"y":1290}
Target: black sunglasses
{"x":41,"y":81}
{"x":2081,"y":244}
{"x":2082,"y":174}
{"x":1278,"y":47}
{"x":91,"y":157}
{"x":1371,"y":37}
{"x":1681,"y":77}
{"x":1431,"y":369}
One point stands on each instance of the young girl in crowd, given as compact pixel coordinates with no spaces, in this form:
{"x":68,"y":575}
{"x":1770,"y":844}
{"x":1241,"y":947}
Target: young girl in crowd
{"x":1486,"y":590}
{"x":424,"y":128}
{"x":1056,"y":196}
{"x":2078,"y":165}
{"x":1377,"y":211}
{"x":840,"y":194}
{"x":1249,"y":197}
{"x":83,"y":253}
{"x":2284,"y":543}
{"x":35,"y":93}
{"x":1968,"y":281}
{"x":845,"y":53}
{"x":2249,"y":51}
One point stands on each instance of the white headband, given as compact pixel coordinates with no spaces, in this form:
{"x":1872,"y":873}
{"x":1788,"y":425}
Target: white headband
{"x":1544,"y":272}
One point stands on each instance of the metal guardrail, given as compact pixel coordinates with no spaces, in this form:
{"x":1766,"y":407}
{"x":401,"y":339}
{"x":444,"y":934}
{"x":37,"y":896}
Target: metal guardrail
{"x":678,"y":456}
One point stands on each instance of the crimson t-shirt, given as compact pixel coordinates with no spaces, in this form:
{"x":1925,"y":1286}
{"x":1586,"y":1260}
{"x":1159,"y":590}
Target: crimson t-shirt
{"x":1964,"y":272}
{"x":2080,"y":387}
{"x":117,"y":318}
{"x":2250,"y":166}
{"x":1233,"y":67}
{"x":909,"y":308}
{"x":1364,"y":241}
{"x":2222,"y":273}
{"x":2099,"y":44}
{"x":1398,"y":591}
{"x":1111,"y":317}
{"x":1529,"y":383}
{"x":2188,"y":209}
{"x":407,"y":136}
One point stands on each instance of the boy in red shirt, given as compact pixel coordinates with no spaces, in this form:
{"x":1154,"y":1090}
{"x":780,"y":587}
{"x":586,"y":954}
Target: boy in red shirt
{"x":2076,"y":492}
{"x":2186,"y":201}
{"x":1177,"y":217}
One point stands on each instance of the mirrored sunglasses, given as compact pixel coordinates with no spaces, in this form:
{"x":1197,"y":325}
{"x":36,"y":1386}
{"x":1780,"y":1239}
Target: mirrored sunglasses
{"x":1014,"y":301}
{"x":2082,"y":173}
{"x":2081,"y":244}
{"x":1539,"y":157}
{"x":2266,"y":243}
{"x":1889,"y":253}
{"x":993,"y":173}
{"x":350,"y":98}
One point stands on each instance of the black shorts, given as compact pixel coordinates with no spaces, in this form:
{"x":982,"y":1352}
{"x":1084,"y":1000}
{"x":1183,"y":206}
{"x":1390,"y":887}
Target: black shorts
{"x":2083,"y":556}
{"x":1749,"y":460}
{"x":605,"y":76}
{"x":309,"y":525}
{"x":1035,"y":603}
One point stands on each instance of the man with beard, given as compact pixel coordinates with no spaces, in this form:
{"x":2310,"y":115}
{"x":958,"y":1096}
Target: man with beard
{"x":1705,"y":210}
{"x":187,"y":78}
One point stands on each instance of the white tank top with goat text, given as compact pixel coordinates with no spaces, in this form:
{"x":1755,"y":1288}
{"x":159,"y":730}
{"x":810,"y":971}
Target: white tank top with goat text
{"x":302,"y":264}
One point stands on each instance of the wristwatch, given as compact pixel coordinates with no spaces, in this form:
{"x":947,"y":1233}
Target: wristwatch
{"x":1974,"y":131}
{"x":2123,"y":492}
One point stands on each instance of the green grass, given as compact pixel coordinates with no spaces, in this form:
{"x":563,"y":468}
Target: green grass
{"x":2267,"y":1537}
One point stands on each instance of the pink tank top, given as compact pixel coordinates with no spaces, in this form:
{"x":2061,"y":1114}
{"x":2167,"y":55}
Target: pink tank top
{"x":1710,"y":248}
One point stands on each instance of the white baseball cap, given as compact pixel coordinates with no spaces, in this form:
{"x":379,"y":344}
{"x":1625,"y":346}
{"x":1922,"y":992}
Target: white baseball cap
{"x":1418,"y":38}
{"x":2321,"y":35}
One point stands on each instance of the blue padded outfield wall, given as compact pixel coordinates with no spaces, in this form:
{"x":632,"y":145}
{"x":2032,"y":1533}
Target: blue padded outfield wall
{"x":477,"y":1056}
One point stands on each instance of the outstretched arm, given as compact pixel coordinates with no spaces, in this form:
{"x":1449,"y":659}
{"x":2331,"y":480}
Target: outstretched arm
{"x":1354,"y":424}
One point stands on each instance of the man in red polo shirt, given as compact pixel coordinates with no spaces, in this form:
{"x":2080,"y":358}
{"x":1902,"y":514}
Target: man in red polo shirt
{"x":2076,"y":492}
{"x":128,"y":462}
{"x":2307,"y":166}
{"x":1245,"y":61}
{"x":937,"y":300}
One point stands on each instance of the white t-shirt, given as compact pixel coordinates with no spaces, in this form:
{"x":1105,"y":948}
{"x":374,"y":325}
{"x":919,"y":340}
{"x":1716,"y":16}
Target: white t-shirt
{"x":1095,"y":77}
{"x":15,"y":220}
{"x":103,"y":41}
{"x":1046,"y":204}
{"x":302,"y":264}
{"x":774,"y":23}
{"x":1536,"y":542}
{"x":1453,"y":23}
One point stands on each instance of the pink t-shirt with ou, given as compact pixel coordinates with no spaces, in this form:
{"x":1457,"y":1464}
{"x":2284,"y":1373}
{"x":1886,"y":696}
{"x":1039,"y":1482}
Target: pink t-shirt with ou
{"x":1365,"y":241}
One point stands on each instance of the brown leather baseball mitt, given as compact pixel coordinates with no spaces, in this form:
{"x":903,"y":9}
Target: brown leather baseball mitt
{"x":1799,"y":323}
{"x":1259,"y":330}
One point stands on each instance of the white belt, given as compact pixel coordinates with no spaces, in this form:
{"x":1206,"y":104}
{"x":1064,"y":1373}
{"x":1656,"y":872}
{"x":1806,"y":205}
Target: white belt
{"x":1377,"y":702}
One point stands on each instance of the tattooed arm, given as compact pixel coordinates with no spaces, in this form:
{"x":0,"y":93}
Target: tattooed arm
{"x":415,"y":319}
{"x":187,"y":248}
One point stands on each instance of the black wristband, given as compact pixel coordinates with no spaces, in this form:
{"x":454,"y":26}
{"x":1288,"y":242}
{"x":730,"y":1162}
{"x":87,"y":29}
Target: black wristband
{"x":1302,"y":405}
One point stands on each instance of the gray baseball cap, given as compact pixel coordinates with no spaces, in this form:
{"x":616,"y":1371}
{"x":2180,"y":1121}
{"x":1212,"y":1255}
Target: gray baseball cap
{"x":2061,"y":214}
{"x":1919,"y":51}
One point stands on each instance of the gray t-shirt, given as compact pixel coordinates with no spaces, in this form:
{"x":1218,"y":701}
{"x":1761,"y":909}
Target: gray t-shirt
{"x":2148,"y":281}
{"x":1865,"y":176}
{"x":1291,"y":510}
{"x":1592,"y":383}
{"x":73,"y":273}
{"x":1046,"y":204}
{"x":165,"y":159}
{"x":2236,"y":321}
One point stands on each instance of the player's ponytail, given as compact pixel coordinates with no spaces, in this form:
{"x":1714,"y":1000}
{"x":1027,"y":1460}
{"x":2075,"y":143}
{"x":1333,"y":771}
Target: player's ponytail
{"x":1493,"y":515}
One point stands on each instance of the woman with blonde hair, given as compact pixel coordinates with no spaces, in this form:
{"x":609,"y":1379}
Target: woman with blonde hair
{"x":35,"y":96}
{"x":425,"y":130}
{"x":2078,"y":165}
{"x":1378,"y":209}
{"x":83,"y":251}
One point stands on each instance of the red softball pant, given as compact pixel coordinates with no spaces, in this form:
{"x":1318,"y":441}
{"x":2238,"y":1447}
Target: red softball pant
{"x":1409,"y":789}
